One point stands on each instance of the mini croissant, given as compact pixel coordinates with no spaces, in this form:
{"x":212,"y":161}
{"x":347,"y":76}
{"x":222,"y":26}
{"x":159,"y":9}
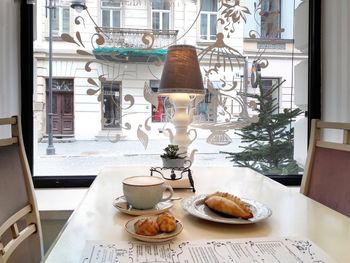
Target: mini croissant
{"x":228,"y":204}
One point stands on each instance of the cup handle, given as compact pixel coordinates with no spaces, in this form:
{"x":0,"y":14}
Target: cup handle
{"x":168,"y":187}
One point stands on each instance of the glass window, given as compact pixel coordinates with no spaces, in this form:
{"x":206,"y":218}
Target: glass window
{"x":60,"y":21}
{"x":160,"y":14}
{"x":111,"y":13}
{"x":111,"y":105}
{"x":270,"y":86}
{"x":164,"y":110}
{"x":105,"y":102}
{"x":206,"y":109}
{"x":208,"y":20}
{"x":271,"y":19}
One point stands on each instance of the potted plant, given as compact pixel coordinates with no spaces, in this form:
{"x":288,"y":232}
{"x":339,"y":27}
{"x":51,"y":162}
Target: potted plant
{"x":172,"y":158}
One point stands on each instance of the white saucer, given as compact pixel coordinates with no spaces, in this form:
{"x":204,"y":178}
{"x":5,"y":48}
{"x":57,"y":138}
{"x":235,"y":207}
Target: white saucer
{"x":121,"y":204}
{"x":162,"y":237}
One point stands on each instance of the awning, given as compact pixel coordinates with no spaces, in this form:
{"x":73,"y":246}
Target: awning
{"x":130,"y":54}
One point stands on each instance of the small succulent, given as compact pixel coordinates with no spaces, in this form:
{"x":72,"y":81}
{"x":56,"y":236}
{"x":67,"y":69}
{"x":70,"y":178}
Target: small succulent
{"x":171,"y":152}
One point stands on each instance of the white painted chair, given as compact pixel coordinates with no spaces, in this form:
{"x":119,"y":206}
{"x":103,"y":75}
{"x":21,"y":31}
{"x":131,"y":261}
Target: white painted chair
{"x":20,"y":228}
{"x":327,"y":171}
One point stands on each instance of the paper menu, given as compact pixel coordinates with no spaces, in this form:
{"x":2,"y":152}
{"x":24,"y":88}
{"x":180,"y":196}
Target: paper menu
{"x":287,"y":250}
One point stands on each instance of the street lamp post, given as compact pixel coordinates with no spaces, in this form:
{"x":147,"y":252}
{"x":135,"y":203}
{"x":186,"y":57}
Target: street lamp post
{"x":50,"y":150}
{"x":78,"y":5}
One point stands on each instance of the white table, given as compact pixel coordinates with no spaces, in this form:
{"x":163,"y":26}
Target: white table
{"x":294,"y":215}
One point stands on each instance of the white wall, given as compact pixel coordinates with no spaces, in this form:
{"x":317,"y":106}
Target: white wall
{"x":335,"y":60}
{"x":9,"y":61}
{"x":9,"y":58}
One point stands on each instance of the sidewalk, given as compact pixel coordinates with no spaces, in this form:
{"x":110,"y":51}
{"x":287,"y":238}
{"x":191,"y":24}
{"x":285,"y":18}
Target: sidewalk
{"x":89,"y":157}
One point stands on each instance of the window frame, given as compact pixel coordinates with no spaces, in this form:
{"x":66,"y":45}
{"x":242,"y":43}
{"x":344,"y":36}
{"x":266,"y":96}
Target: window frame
{"x":111,"y":9}
{"x":27,"y":84}
{"x":118,"y":85}
{"x":154,"y":85}
{"x":60,"y":17}
{"x":278,"y":22}
{"x":161,"y":12}
{"x":208,"y":14}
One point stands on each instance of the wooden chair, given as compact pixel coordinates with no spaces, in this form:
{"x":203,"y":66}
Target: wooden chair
{"x":327,"y":172}
{"x":20,"y":229}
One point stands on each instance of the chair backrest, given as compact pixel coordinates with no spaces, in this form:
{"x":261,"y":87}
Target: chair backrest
{"x":20,"y":228}
{"x":327,"y":171}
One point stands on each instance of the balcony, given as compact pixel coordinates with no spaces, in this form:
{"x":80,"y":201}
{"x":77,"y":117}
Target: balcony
{"x":135,"y":45}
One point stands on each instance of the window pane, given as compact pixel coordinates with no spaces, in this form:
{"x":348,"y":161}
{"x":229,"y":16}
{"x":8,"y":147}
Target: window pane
{"x":106,"y":18}
{"x":155,"y":20}
{"x":110,"y":3}
{"x":116,"y":18}
{"x":65,"y":20}
{"x":107,"y":107}
{"x":166,"y":18}
{"x":161,"y":4}
{"x":204,"y":26}
{"x":111,"y":105}
{"x":270,"y":19}
{"x":209,"y":5}
{"x":212,"y":27}
{"x":55,"y":22}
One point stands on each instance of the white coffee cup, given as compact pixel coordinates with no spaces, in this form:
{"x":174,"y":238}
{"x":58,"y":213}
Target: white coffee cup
{"x":144,"y":192}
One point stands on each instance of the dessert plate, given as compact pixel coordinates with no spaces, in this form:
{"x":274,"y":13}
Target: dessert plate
{"x":196,"y":207}
{"x":123,"y":206}
{"x":162,"y":237}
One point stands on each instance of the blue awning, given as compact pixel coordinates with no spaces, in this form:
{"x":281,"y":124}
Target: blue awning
{"x":130,"y":54}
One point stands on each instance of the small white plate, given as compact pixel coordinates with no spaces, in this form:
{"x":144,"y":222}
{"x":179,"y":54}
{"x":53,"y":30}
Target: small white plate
{"x":162,"y":237}
{"x":121,"y":204}
{"x":196,"y":206}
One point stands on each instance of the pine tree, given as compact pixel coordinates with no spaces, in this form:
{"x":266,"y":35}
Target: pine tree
{"x":268,"y":144}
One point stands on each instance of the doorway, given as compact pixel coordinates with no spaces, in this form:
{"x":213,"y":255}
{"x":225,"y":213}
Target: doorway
{"x":62,"y":106}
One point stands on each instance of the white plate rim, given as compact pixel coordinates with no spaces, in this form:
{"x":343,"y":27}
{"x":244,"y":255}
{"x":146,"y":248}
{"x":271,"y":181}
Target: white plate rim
{"x":189,"y":205}
{"x":139,"y":212}
{"x":163,"y":238}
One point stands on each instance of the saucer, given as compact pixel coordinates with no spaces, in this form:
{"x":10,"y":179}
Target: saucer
{"x":161,"y":237}
{"x":121,"y":204}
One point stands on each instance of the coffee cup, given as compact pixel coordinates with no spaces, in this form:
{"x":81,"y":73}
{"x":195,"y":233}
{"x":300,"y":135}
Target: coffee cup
{"x":144,"y":192}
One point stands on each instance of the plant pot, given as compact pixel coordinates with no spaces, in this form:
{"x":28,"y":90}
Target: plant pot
{"x":173,"y":163}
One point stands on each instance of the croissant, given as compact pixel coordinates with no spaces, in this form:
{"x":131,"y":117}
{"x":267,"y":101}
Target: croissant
{"x":228,"y":204}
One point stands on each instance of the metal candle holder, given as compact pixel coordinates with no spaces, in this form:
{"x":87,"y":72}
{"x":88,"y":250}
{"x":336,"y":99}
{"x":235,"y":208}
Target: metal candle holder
{"x":176,"y":173}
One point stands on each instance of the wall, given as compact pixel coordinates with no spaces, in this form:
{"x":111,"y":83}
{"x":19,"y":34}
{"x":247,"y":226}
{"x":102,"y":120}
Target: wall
{"x":335,"y":60}
{"x":9,"y":58}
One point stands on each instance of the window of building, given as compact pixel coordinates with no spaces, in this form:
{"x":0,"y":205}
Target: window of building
{"x":60,"y":20}
{"x":164,"y":110}
{"x":270,"y":87}
{"x":111,"y":105}
{"x":160,"y":14}
{"x":270,"y":18}
{"x":208,"y":20}
{"x":111,"y":13}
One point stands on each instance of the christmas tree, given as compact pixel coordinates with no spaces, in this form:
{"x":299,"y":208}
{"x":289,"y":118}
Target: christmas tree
{"x":269,"y":143}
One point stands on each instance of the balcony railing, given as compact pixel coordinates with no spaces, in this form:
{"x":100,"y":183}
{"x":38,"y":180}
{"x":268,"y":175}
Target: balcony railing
{"x":137,"y":38}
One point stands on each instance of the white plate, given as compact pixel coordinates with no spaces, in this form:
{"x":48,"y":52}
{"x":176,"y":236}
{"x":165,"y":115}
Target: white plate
{"x":162,"y":237}
{"x":195,"y":206}
{"x":121,"y":204}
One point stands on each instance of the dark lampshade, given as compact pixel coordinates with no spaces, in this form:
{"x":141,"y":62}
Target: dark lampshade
{"x":181,"y":73}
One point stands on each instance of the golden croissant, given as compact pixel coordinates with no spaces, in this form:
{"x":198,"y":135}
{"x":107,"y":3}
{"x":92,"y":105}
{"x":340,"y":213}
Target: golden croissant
{"x":228,"y":204}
